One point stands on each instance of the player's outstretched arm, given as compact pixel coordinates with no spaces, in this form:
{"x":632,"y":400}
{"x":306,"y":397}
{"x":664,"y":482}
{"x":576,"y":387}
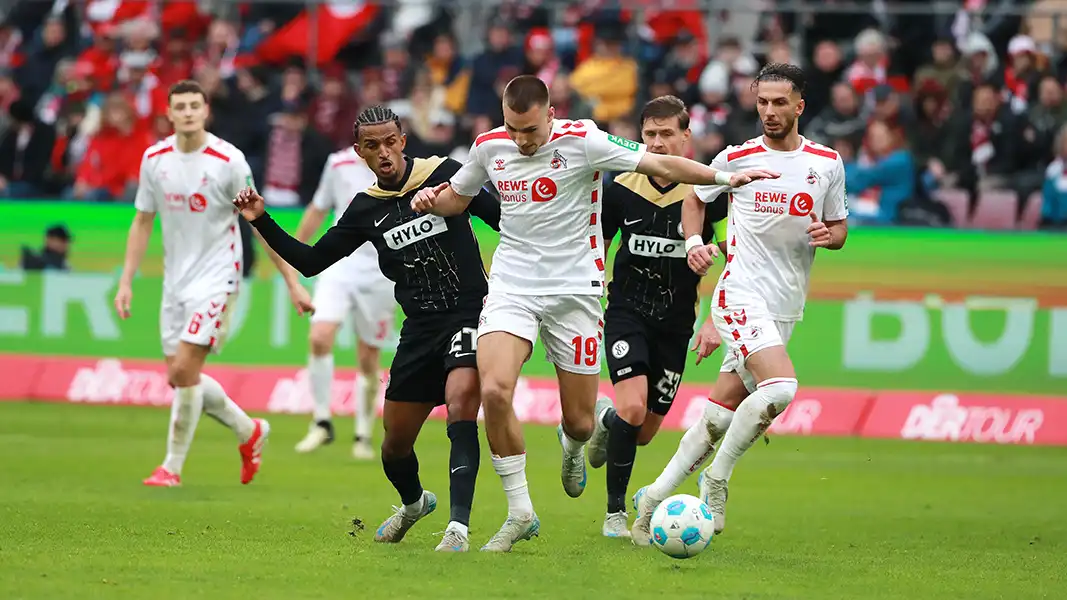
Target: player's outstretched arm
{"x":699,"y":255}
{"x":440,"y":200}
{"x":136,"y":243}
{"x":683,"y":170}
{"x":337,"y":243}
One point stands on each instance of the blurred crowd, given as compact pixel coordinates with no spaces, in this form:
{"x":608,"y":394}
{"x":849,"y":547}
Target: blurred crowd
{"x":938,"y":118}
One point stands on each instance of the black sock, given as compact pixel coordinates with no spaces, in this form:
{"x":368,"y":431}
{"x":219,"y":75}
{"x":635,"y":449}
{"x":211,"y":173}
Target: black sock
{"x":403,"y":473}
{"x":609,"y":416}
{"x":462,"y":469}
{"x":622,"y":448}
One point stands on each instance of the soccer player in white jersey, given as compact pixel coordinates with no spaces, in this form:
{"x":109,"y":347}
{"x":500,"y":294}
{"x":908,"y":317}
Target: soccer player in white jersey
{"x":353,"y":287}
{"x":190,"y":179}
{"x":774,"y":230}
{"x":547,"y":274}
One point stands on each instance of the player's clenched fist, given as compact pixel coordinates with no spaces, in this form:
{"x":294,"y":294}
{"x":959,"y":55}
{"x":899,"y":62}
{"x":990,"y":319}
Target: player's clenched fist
{"x":819,"y":232}
{"x":250,"y":204}
{"x":745,"y":177}
{"x":700,"y":258}
{"x":425,"y":198}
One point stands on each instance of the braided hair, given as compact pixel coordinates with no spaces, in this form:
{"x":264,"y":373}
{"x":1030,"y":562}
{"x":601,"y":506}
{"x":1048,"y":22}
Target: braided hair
{"x":375,"y":115}
{"x":788,"y":73}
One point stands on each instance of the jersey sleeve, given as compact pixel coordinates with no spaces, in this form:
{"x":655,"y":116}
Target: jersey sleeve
{"x":147,"y":193}
{"x":470,"y":178}
{"x":836,"y":206}
{"x":707,"y":193}
{"x":321,"y":200}
{"x":338,"y":242}
{"x":612,"y":212}
{"x":240,"y":176}
{"x":607,"y":152}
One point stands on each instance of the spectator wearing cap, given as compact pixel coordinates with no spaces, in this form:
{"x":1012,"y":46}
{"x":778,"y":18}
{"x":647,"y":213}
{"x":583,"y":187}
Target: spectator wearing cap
{"x":607,"y":80}
{"x":883,"y":177}
{"x":500,"y":62}
{"x":1054,"y":192}
{"x":334,"y":105}
{"x":873,"y":66}
{"x":25,"y":153}
{"x":1022,"y":73}
{"x":943,"y":69}
{"x":141,"y":87}
{"x":53,"y":255}
{"x":981,"y":65}
{"x":540,"y":56}
{"x":843,"y":119}
{"x":112,"y":162}
{"x":295,"y":156}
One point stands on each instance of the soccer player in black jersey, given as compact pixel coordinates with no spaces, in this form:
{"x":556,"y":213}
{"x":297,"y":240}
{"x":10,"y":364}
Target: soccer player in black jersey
{"x":652,"y":302}
{"x":440,"y":283}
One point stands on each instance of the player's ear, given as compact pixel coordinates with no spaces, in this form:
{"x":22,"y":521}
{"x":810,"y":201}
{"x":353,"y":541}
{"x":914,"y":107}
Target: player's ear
{"x":551,"y":113}
{"x":403,"y":141}
{"x":800,"y":107}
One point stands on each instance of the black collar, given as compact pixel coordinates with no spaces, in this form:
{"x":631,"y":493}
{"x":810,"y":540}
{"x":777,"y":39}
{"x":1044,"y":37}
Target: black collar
{"x":663,"y":190}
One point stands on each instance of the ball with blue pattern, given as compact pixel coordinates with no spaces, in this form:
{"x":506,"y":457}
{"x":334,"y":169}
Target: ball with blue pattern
{"x":682,"y":526}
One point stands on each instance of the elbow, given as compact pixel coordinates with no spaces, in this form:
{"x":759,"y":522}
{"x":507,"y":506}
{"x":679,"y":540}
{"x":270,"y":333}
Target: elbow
{"x":309,"y":270}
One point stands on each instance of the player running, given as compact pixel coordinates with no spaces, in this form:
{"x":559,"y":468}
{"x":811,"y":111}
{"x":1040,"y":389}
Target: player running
{"x":548,"y":272}
{"x":652,"y":300}
{"x":440,"y":282}
{"x":189,"y":178}
{"x":353,"y":287}
{"x":774,"y":229}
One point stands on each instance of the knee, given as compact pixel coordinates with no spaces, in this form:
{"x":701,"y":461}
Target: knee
{"x":579,"y":427}
{"x":368,"y":360}
{"x":321,"y":341}
{"x":182,"y":373}
{"x":496,"y":396}
{"x":632,"y":411}
{"x":779,"y":392}
{"x":463,"y":406}
{"x":394,"y":448}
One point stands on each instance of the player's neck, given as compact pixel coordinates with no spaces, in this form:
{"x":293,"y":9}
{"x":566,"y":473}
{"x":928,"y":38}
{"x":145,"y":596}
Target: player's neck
{"x":789,"y":143}
{"x":190,"y":142}
{"x":661,"y":182}
{"x":394,"y":183}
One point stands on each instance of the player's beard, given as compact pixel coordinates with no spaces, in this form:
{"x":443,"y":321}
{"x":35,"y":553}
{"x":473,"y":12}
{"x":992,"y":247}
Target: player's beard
{"x":783,"y":132}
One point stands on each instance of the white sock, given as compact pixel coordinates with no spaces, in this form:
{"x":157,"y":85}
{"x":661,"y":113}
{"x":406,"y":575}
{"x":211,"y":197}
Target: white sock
{"x":694,"y":449}
{"x":717,"y":419}
{"x":320,"y":372}
{"x":220,"y":407}
{"x":753,"y":417}
{"x":184,"y":415}
{"x":366,"y":397}
{"x":415,"y":509}
{"x":571,"y":446}
{"x":457,"y":526}
{"x":512,"y":471}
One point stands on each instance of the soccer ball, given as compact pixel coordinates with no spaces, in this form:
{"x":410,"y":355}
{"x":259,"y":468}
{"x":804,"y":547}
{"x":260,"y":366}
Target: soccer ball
{"x":682,"y":526}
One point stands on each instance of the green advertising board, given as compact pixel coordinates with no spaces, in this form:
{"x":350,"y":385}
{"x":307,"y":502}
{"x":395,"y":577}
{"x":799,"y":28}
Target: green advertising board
{"x":896,"y":309}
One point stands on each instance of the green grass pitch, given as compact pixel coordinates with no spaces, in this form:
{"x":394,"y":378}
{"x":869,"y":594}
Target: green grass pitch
{"x":809,"y":518}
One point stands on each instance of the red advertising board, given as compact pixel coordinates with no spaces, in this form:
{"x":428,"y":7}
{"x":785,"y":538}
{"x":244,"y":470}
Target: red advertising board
{"x":821,"y":412}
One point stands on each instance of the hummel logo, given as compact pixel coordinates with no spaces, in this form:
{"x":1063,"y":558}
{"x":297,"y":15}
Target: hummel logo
{"x":629,"y":222}
{"x":379,"y":221}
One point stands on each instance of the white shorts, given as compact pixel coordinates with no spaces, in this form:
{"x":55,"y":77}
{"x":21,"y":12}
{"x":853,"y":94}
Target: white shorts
{"x":370,"y":305}
{"x":202,"y":322}
{"x":746,"y":331}
{"x":571,"y":327}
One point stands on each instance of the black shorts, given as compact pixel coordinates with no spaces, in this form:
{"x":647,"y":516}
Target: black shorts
{"x":429,"y":348}
{"x":636,"y":346}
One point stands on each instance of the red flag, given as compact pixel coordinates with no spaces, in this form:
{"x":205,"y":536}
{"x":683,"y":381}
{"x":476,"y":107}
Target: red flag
{"x":337,"y":22}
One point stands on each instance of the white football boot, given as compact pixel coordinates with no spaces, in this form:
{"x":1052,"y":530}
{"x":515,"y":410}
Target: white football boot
{"x":598,"y":444}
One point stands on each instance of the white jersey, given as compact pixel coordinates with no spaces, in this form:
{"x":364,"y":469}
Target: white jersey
{"x":769,"y":259}
{"x":193,"y":193}
{"x":344,"y":176}
{"x":550,"y":235}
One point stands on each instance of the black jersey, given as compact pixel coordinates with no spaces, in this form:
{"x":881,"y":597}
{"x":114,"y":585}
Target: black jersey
{"x":650,"y":275}
{"x":434,"y":261}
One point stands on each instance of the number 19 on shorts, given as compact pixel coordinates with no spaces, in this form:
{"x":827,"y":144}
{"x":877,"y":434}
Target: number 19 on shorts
{"x":585,"y":350}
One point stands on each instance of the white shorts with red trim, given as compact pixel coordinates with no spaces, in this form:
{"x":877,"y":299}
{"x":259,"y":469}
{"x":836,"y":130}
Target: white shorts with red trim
{"x":203,"y":322}
{"x":368,"y":305}
{"x":745,"y":331}
{"x":571,"y":327}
